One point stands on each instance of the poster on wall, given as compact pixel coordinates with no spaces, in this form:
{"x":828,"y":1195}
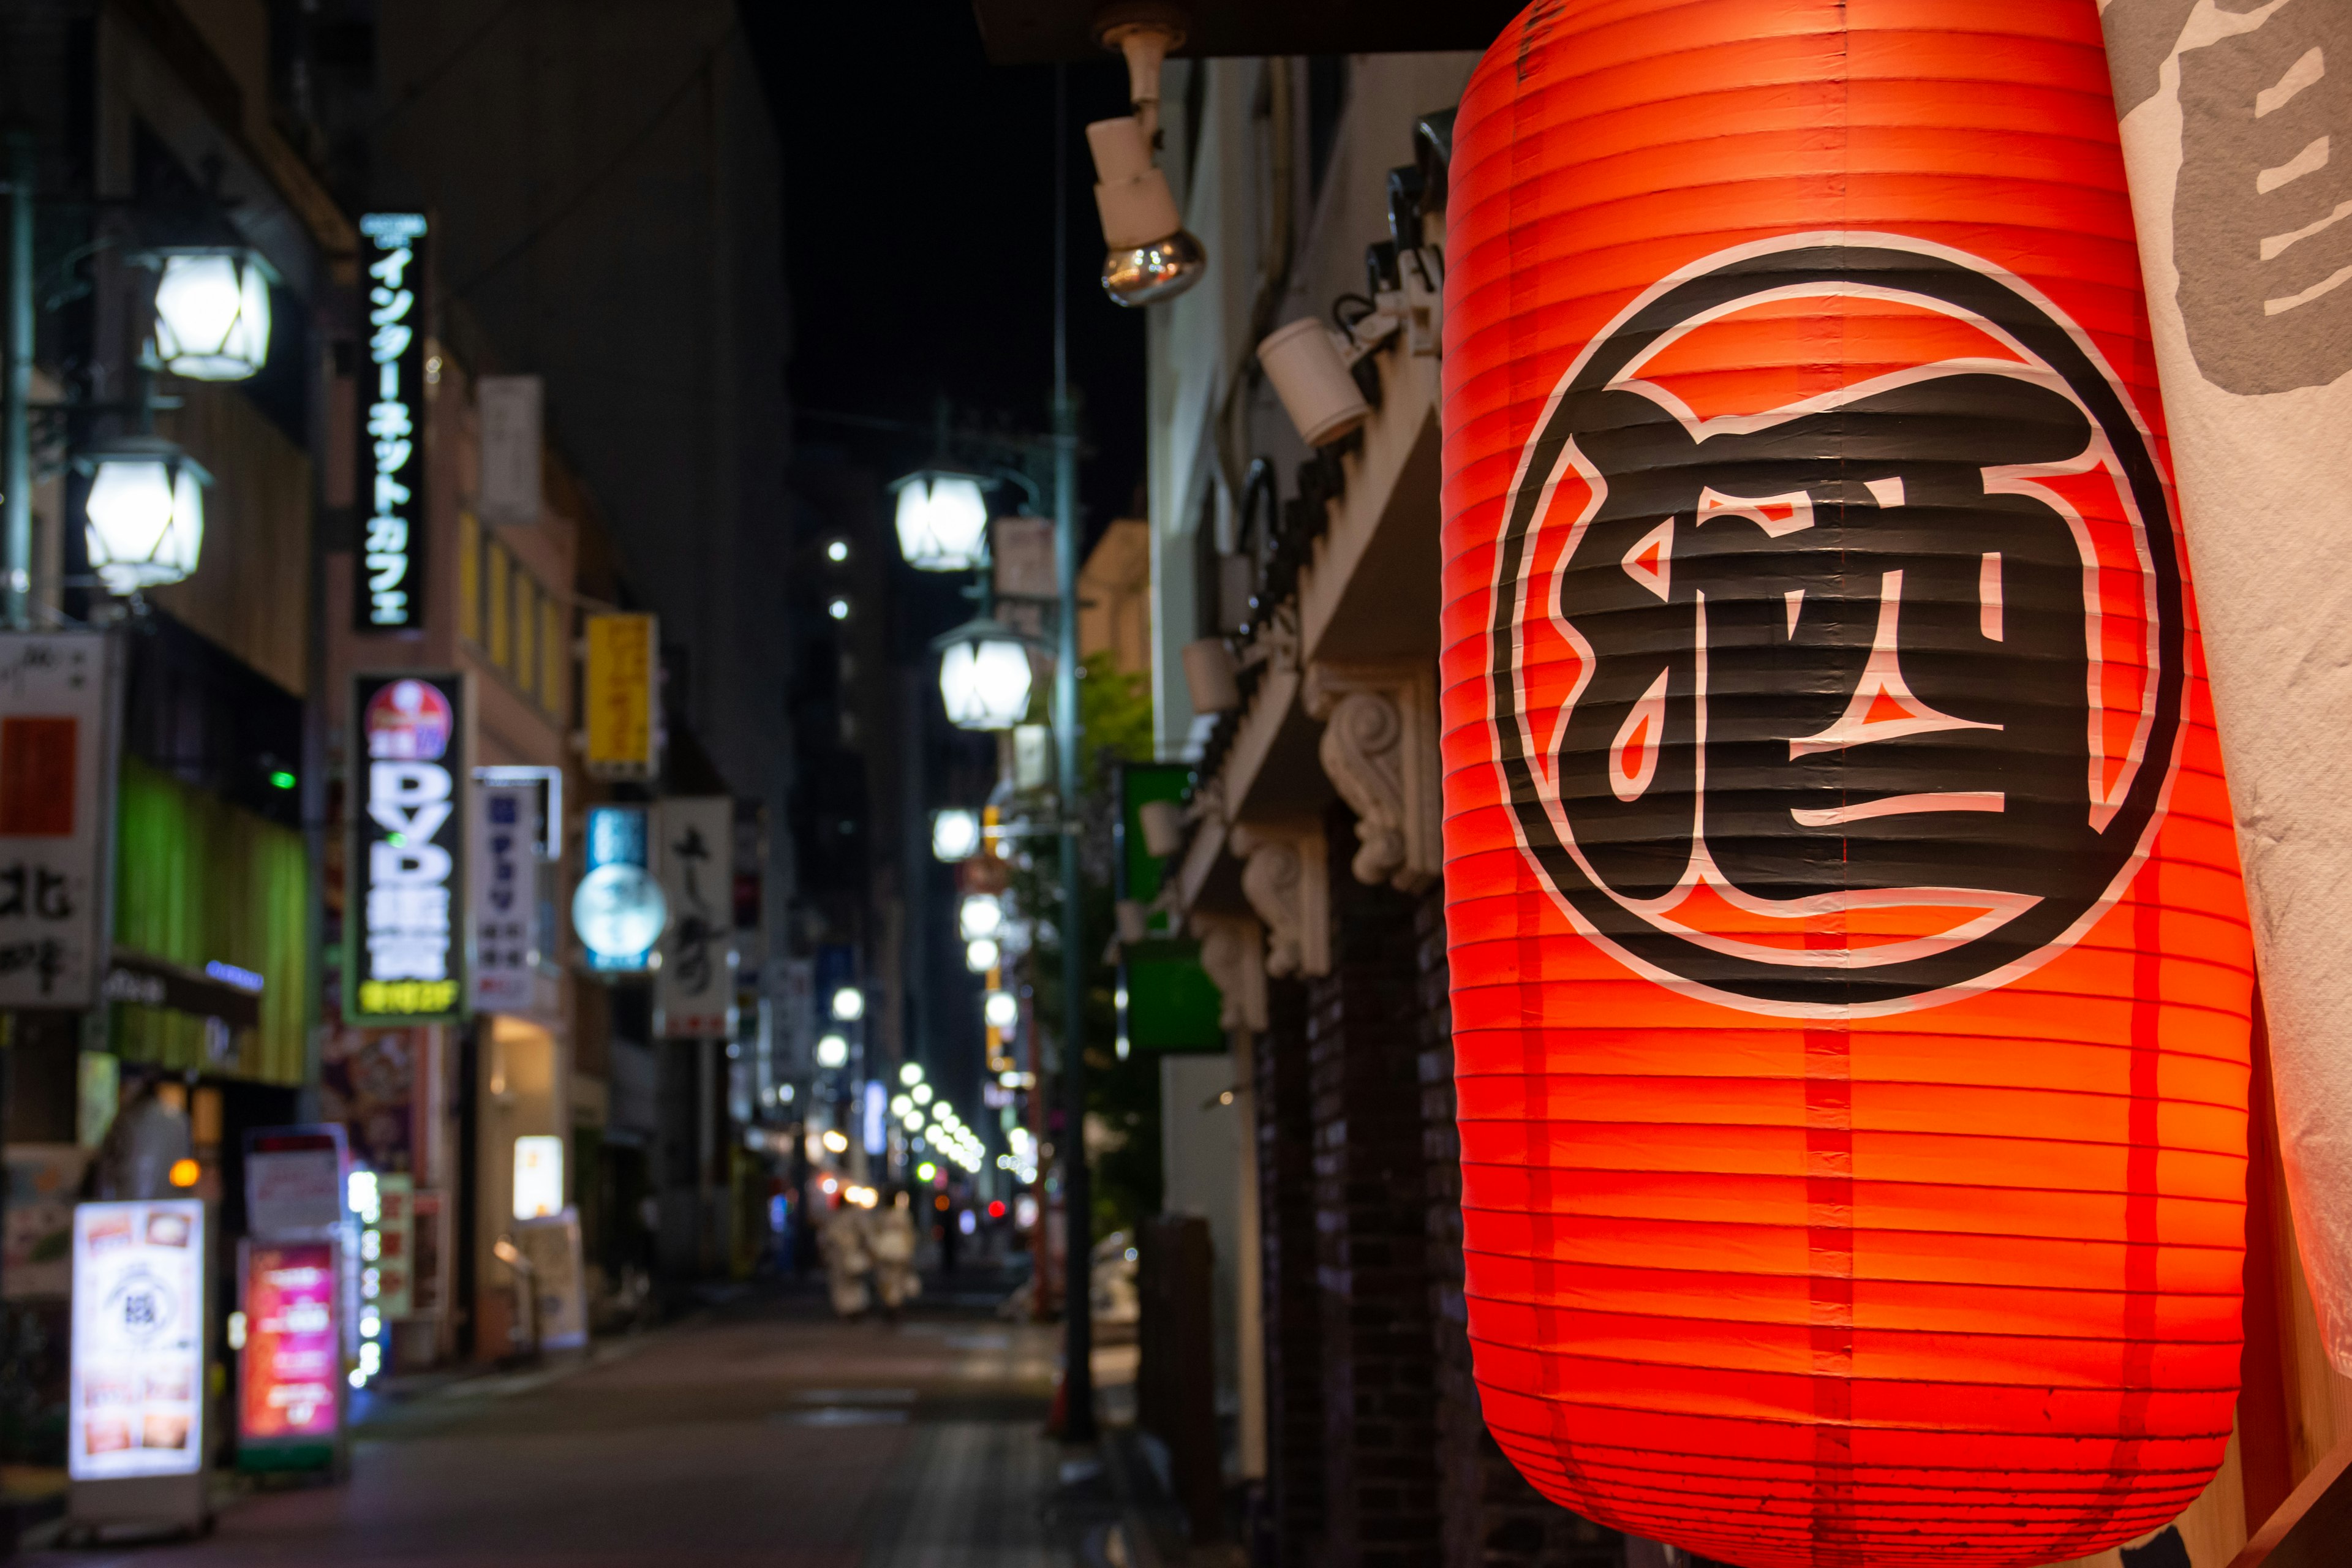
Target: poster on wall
{"x":694,"y":989}
{"x":42,"y":1181}
{"x":56,"y":700}
{"x":388,"y":579}
{"x":404,"y":957}
{"x":289,"y":1391}
{"x":367,"y":1082}
{"x":136,"y":1384}
{"x":503,"y":880}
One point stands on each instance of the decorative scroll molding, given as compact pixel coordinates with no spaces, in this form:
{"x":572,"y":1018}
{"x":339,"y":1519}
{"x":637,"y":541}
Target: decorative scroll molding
{"x":1380,"y":750}
{"x":1233,"y":950}
{"x":1287,"y":880}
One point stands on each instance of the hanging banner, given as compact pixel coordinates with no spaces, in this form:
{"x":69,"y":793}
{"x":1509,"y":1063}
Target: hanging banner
{"x":2229,"y":114}
{"x":136,"y":1404}
{"x":404,"y":955}
{"x":389,"y":576}
{"x":694,"y":990}
{"x":509,"y":407}
{"x":1849,"y":972}
{"x":503,"y":878}
{"x":624,"y":653}
{"x":289,"y":1375}
{"x":56,"y":811}
{"x":618,"y":910}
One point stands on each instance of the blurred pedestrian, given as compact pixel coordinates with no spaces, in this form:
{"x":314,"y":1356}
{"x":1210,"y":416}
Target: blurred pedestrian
{"x":848,"y":1259}
{"x":892,"y":1240}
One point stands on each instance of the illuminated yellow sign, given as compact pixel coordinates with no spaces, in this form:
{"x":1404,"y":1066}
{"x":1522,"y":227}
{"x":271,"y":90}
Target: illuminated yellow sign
{"x":619,"y":696}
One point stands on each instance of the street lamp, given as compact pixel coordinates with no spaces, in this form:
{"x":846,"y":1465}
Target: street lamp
{"x":145,"y":512}
{"x":982,"y":914}
{"x":943,"y":521}
{"x":984,"y":676}
{"x":955,"y":833}
{"x":212,"y":314}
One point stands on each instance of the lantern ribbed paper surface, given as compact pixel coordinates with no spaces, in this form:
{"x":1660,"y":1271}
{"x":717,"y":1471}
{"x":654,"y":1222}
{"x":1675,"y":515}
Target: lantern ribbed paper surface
{"x":1849,"y":965}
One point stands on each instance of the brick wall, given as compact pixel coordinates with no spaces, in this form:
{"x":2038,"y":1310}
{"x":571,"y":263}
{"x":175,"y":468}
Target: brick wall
{"x":1288,"y":1530}
{"x":1371,"y":1208}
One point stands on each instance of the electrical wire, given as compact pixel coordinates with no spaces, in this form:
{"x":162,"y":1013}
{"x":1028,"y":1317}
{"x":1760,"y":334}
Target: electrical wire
{"x":627,"y":149}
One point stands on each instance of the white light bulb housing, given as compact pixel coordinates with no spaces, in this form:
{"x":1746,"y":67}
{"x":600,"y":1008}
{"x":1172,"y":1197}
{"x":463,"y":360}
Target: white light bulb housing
{"x":212,"y":314}
{"x":1307,"y":365}
{"x":1152,"y":256}
{"x":942,"y":522}
{"x":144,"y":518}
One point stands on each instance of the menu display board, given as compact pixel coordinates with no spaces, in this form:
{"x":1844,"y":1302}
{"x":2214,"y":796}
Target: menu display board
{"x":137,"y":1376}
{"x":289,"y":1394}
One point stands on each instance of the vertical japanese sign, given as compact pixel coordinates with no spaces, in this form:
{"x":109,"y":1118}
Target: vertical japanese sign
{"x":694,"y":991}
{"x":618,"y":910}
{"x":289,"y":1393}
{"x":509,"y":407}
{"x":136,"y":1375}
{"x":56,"y":811}
{"x":396,"y":1260}
{"x":390,"y":578}
{"x":623,"y":652}
{"x":405,"y":955}
{"x":503,"y":880}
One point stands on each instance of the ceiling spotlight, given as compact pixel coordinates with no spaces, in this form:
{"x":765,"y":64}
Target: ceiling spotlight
{"x":1152,"y":256}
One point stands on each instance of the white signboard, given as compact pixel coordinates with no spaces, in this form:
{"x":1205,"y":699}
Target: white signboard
{"x":502,"y":881}
{"x":551,"y":1245}
{"x":137,"y":1382}
{"x":694,"y":990}
{"x":510,"y":406}
{"x":294,"y":1181}
{"x":56,"y":800}
{"x":538,"y":1176}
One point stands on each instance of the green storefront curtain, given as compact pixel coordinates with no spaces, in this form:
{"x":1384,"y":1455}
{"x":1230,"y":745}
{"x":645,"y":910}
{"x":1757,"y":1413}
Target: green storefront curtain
{"x":197,"y":878}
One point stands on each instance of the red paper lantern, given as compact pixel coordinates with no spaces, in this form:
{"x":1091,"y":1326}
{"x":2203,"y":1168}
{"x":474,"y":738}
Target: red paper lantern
{"x":1850,"y":973}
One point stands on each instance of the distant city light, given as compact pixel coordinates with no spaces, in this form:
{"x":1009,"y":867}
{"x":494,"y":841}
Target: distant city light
{"x":922,"y":1095}
{"x":837,"y":1140}
{"x":283,"y":780}
{"x":838,"y":609}
{"x":832,"y":1051}
{"x":849,"y":1003}
{"x":911,"y":1074}
{"x":837,"y":550}
{"x":980,"y":957}
{"x":1001,"y":1009}
{"x":980,"y":915}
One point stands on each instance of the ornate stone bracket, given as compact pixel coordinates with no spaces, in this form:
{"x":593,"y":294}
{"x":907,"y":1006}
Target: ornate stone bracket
{"x":1380,"y":750}
{"x":1286,"y":880}
{"x":1233,"y":950}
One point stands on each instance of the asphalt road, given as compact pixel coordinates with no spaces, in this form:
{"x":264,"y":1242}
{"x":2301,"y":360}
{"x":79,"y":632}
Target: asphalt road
{"x":762,"y":1433}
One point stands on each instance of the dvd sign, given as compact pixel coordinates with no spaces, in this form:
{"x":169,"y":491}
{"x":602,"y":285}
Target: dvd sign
{"x":405,"y":948}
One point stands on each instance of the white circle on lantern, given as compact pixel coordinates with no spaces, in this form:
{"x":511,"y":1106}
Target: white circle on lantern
{"x":619,"y":911}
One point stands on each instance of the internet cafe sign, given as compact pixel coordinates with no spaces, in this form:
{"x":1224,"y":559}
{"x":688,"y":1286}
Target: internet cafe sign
{"x":404,"y":939}
{"x":55,"y":807}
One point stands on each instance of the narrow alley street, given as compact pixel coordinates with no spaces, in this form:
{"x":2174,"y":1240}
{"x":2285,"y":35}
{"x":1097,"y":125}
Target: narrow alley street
{"x":760,"y":1431}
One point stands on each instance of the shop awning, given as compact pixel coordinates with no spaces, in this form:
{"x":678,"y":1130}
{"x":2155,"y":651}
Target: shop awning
{"x":1048,"y":32}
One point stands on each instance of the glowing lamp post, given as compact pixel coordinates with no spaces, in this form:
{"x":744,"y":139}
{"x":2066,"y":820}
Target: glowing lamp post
{"x":212,"y":315}
{"x":984,"y":677}
{"x":942,"y":522}
{"x":144,"y":518}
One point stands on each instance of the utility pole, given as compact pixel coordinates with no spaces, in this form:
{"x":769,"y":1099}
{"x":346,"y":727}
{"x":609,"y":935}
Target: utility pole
{"x":16,"y":461}
{"x":1078,"y":1189}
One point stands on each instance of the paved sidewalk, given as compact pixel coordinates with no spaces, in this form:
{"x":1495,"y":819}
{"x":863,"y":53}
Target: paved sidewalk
{"x":763,"y":1435}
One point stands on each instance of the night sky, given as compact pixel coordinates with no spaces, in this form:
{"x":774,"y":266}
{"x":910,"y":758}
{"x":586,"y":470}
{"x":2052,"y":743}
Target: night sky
{"x":919,"y":222}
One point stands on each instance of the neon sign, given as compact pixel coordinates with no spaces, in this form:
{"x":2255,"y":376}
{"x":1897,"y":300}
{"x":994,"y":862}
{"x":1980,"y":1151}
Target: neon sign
{"x":392,"y":428}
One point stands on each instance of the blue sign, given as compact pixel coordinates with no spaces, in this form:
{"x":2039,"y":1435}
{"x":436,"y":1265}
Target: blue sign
{"x":619,"y":910}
